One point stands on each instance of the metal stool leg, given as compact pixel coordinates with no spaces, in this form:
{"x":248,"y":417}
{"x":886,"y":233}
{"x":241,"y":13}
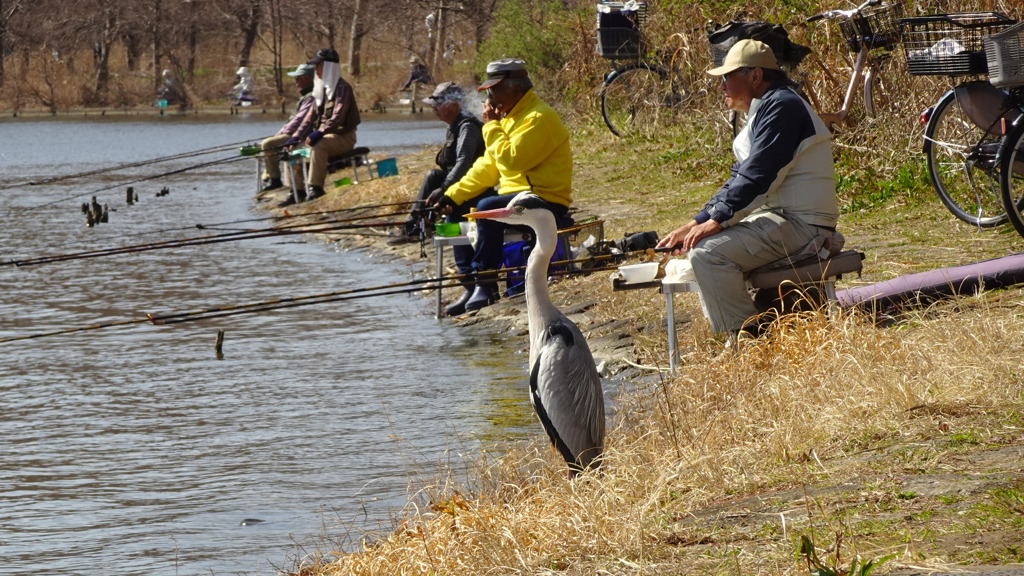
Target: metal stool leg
{"x":439,"y":258}
{"x":670,"y":318}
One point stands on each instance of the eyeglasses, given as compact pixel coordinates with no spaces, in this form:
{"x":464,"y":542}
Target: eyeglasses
{"x":726,"y":76}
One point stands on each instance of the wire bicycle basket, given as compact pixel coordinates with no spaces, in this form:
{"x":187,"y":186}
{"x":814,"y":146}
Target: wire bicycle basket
{"x":1004,"y":52}
{"x":875,"y":27}
{"x":618,"y":29}
{"x":950,"y":44}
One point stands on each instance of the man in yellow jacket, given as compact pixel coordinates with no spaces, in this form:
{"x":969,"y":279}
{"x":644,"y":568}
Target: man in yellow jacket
{"x":527,"y":148}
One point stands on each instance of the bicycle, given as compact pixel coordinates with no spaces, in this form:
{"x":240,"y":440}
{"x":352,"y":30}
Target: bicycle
{"x":1005,"y":58}
{"x":871,"y":33}
{"x":638,"y":96}
{"x":963,"y":130}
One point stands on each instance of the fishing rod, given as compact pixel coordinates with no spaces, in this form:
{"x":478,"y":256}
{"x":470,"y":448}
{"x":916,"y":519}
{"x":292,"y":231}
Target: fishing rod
{"x":299,"y":228}
{"x":364,"y":292}
{"x":453,"y":280}
{"x":227,"y":160}
{"x":178,"y":156}
{"x":215,"y":225}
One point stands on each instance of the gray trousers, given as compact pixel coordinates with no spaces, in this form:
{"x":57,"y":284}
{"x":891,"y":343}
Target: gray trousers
{"x":721,"y":262}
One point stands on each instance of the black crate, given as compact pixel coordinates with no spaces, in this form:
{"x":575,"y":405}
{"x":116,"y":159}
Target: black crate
{"x":877,"y":27}
{"x":950,"y":44}
{"x":618,"y":43}
{"x":618,"y":29}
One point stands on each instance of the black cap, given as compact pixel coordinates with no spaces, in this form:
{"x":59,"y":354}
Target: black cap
{"x":325,"y":55}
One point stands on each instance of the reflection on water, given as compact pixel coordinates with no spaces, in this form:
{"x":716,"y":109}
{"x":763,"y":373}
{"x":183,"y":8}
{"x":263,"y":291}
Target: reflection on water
{"x":134,"y":450}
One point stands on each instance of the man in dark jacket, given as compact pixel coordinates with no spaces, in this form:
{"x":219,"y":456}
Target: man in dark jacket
{"x":463,"y":144}
{"x":331,"y":123}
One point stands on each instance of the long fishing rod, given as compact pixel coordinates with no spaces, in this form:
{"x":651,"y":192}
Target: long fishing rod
{"x":279,"y":217}
{"x":422,"y":284}
{"x":145,"y":178}
{"x":178,"y":156}
{"x":268,"y":305}
{"x":299,"y":228}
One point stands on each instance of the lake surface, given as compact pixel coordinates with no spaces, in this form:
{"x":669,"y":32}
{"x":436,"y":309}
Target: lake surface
{"x":133,"y":450}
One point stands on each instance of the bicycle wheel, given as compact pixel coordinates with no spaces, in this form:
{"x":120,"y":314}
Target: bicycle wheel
{"x":962,"y":164}
{"x":633,"y":98}
{"x":1011,"y":176}
{"x":877,"y":90}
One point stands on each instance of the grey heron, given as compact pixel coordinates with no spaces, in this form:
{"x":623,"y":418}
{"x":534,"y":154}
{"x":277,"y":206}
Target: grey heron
{"x":565,"y":388}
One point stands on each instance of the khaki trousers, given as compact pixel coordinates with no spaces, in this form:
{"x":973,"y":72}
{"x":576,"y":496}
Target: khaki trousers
{"x":721,"y":262}
{"x":329,"y":146}
{"x":271,"y":157}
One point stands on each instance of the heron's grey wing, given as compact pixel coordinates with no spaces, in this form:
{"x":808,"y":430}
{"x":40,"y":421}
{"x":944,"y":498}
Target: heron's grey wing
{"x":565,"y":389}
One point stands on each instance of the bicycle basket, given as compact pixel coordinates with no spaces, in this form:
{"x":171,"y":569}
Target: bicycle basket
{"x":949,"y":44}
{"x":618,"y":29}
{"x":876,"y":27}
{"x":787,"y":52}
{"x":1004,"y":52}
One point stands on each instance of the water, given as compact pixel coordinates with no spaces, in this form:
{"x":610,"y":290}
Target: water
{"x":134,"y":450}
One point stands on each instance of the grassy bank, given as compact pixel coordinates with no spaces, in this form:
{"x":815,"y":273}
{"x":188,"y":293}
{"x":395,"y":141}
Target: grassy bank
{"x":869,"y":440}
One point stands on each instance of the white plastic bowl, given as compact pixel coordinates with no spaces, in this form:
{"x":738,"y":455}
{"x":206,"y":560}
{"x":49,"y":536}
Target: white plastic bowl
{"x":639,"y":273}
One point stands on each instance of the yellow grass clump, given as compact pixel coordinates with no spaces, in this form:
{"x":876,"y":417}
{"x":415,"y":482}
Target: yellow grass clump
{"x":788,"y":411}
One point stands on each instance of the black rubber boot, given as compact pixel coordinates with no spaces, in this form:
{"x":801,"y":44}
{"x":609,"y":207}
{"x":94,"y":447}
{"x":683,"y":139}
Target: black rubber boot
{"x":271,"y":184}
{"x":459,"y":306}
{"x":485,"y":293}
{"x":288,"y":201}
{"x":313,"y":192}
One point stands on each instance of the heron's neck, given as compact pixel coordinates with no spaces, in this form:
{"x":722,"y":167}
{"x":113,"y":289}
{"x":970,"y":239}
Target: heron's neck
{"x":538,"y":301}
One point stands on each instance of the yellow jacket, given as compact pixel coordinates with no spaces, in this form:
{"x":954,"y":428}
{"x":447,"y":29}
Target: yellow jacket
{"x":530,"y":145}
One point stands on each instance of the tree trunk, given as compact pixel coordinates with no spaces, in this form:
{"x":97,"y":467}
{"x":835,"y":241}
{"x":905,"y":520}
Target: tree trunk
{"x":250,"y":24}
{"x":436,"y":48}
{"x":102,"y":55}
{"x":156,"y":44}
{"x":355,"y":45}
{"x":277,"y":45}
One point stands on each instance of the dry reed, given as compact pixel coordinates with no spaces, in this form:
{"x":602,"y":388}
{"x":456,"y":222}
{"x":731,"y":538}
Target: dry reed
{"x":785,"y":412}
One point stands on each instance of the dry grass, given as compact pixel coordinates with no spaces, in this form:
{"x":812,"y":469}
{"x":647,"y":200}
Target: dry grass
{"x":781,"y":414}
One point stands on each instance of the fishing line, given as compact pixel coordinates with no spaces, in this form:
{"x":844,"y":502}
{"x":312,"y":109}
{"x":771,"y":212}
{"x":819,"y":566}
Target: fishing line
{"x":178,"y":156}
{"x":144,"y":179}
{"x":286,"y":216}
{"x":300,"y":228}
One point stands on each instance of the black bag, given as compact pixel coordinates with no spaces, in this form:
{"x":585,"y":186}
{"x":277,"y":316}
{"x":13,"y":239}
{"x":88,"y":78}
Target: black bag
{"x":787,"y":52}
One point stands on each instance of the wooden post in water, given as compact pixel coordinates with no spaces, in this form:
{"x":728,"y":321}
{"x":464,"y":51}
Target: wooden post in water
{"x":218,"y":345}
{"x":130,"y":195}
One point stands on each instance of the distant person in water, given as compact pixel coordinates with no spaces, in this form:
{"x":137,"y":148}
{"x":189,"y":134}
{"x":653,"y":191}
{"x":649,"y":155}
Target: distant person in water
{"x":170,"y":90}
{"x":242,"y":92}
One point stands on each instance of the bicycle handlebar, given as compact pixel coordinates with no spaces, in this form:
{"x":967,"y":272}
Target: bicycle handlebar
{"x":843,"y":13}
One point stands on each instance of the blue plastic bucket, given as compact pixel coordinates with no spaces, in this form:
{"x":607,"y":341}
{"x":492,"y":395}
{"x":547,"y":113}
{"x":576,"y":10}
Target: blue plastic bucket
{"x":387,"y":167}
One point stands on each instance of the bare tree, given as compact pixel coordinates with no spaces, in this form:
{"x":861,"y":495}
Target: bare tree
{"x":7,"y":10}
{"x":355,"y":41}
{"x":247,"y":15}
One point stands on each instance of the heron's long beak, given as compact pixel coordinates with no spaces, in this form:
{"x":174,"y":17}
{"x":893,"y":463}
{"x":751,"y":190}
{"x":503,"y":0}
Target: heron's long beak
{"x":496,"y":213}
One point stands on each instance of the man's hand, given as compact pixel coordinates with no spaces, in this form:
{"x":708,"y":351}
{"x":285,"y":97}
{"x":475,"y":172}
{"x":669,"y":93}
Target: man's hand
{"x":313,"y":138}
{"x":291,"y":142}
{"x":441,"y":202}
{"x":684,"y":238}
{"x":674,"y":239}
{"x":700,"y":231}
{"x":490,"y":112}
